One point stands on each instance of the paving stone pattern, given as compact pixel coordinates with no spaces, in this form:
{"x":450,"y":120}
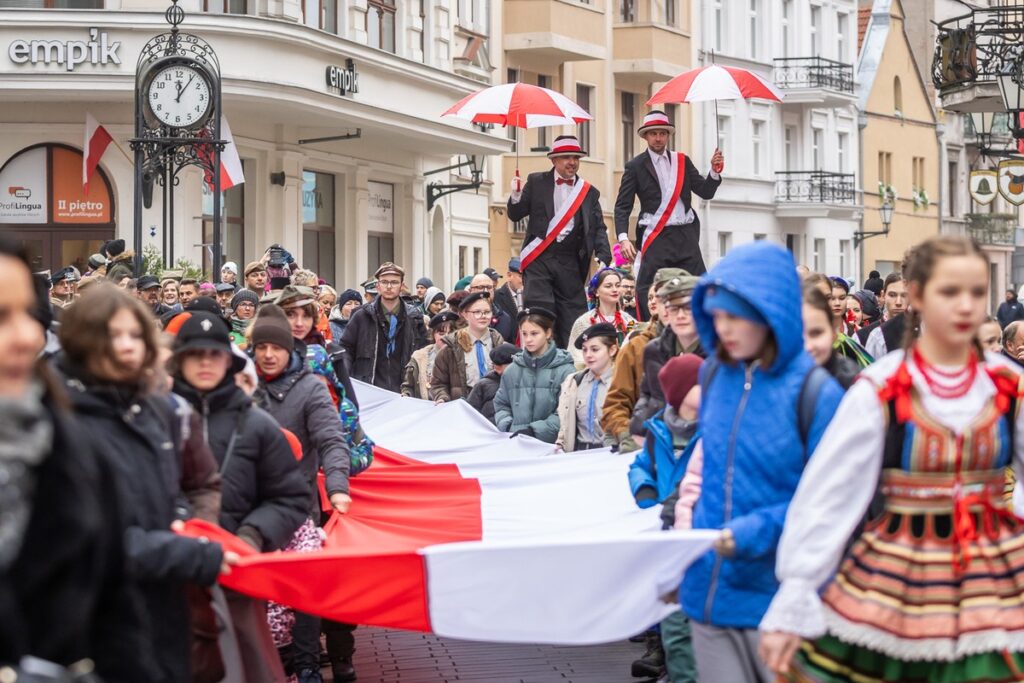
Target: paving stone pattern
{"x":388,"y":656}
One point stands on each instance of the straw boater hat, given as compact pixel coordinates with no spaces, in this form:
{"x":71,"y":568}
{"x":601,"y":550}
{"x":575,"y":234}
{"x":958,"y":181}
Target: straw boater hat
{"x":566,"y":146}
{"x":656,"y":120}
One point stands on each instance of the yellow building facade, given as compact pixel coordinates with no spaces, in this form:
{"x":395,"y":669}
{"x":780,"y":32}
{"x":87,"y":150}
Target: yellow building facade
{"x":900,"y":150}
{"x":607,"y":56}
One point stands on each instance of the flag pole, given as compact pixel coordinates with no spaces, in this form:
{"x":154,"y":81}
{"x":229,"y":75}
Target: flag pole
{"x":121,"y":150}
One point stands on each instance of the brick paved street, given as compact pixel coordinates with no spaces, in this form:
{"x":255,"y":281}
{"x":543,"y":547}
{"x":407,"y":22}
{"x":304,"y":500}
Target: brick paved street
{"x":386,"y":656}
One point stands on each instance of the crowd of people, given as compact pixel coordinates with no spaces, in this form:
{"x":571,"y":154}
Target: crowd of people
{"x":846,"y":441}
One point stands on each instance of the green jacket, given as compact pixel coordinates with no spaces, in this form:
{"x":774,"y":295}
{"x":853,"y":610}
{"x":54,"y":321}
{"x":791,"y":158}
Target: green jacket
{"x":529,"y":391}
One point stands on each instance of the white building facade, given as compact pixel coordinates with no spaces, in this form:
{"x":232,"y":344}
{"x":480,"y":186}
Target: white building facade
{"x":792,"y":173}
{"x":340,"y":206}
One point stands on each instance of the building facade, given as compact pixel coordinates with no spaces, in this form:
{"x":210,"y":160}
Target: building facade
{"x":340,"y":206}
{"x":901,"y":154}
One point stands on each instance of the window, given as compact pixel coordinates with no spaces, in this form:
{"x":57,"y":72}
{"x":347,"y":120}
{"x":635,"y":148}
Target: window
{"x":897,"y":96}
{"x":757,"y":146}
{"x":952,"y":178}
{"x":584,"y":98}
{"x":789,"y":145}
{"x":917,"y":172}
{"x":217,"y":6}
{"x":842,"y":151}
{"x":816,"y":150}
{"x":818,"y":256}
{"x":380,"y":24}
{"x":724,"y":243}
{"x":380,"y":222}
{"x":787,"y":19}
{"x":815,"y":30}
{"x":318,"y":223}
{"x":542,"y":132}
{"x":885,"y":167}
{"x":512,"y":76}
{"x":670,"y":112}
{"x":842,"y":33}
{"x":793,"y":246}
{"x":723,"y":132}
{"x":379,"y":248}
{"x":845,"y":258}
{"x":628,"y":125}
{"x":322,"y":14}
{"x":232,"y":214}
{"x":53,"y":4}
{"x":760,"y":237}
{"x":753,"y":36}
{"x":463,"y":266}
{"x":627,"y":11}
{"x":478,"y":260}
{"x":670,"y":12}
{"x":717,"y":24}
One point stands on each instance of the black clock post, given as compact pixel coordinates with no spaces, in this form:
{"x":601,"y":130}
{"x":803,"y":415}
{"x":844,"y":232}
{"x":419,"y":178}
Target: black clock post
{"x":177,"y":125}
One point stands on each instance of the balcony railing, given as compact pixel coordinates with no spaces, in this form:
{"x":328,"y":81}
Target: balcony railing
{"x":977,"y":47}
{"x":813,"y":72}
{"x":997,"y":229}
{"x":815,"y":187}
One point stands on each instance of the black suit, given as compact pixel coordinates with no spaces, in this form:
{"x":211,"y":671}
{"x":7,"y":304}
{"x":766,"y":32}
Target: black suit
{"x":503,"y":300}
{"x":678,"y":246}
{"x":555,"y":280}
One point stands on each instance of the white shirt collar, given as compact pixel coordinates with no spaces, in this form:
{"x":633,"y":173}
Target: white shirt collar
{"x":555,"y":173}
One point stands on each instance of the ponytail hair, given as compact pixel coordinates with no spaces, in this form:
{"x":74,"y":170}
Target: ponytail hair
{"x":919,"y":265}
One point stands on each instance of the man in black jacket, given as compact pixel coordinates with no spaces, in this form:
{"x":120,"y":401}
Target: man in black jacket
{"x":509,"y":297}
{"x":566,"y":229}
{"x":1010,"y":310}
{"x":381,"y":336}
{"x":668,"y":232}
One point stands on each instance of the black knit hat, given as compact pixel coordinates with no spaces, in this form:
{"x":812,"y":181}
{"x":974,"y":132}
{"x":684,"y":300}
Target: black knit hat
{"x":244,"y":295}
{"x":597,"y":330}
{"x":204,"y":303}
{"x":272,"y":327}
{"x":205,"y":330}
{"x":114,"y":248}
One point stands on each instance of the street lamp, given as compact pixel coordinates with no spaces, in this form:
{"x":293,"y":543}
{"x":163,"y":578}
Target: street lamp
{"x":885,"y":214}
{"x":1013,"y":96}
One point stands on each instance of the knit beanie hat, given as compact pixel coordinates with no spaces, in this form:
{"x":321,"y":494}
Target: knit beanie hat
{"x":114,"y":248}
{"x":349,"y":295}
{"x":244,"y":295}
{"x":272,"y":327}
{"x":678,"y":376}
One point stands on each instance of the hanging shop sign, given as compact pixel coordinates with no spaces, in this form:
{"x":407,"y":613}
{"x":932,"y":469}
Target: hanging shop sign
{"x":99,"y":50}
{"x":982,"y":185}
{"x":381,"y":214}
{"x":343,"y":80}
{"x":1011,"y":180}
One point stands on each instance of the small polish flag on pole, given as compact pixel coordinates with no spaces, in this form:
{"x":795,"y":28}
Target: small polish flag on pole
{"x":97,"y":139}
{"x":230,"y":163}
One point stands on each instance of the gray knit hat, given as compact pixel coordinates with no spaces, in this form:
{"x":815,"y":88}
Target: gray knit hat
{"x":244,"y":295}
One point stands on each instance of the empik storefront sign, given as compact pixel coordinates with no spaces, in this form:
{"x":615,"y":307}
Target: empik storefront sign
{"x":99,"y":50}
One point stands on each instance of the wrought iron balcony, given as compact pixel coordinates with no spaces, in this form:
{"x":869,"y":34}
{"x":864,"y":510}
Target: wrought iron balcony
{"x":974,"y":49}
{"x":815,"y":187}
{"x":996,"y":229}
{"x":813,"y":72}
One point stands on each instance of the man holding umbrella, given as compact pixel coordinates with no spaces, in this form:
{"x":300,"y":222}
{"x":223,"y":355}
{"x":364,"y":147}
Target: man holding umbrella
{"x":668,"y":230}
{"x":565,"y":231}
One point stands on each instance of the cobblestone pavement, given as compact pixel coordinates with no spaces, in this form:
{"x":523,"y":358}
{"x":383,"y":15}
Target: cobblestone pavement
{"x":387,"y":656}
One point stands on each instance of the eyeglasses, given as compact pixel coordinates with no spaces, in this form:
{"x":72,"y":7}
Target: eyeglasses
{"x":482,"y":288}
{"x":390,"y":284}
{"x":677,"y":309}
{"x":480,"y":314}
{"x":246,"y":304}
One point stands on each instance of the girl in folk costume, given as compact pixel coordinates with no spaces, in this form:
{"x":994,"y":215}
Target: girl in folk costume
{"x":932,"y":588}
{"x":604,"y":296}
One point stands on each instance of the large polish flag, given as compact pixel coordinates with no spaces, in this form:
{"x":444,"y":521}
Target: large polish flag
{"x":230,"y":163}
{"x":459,"y":530}
{"x":97,"y":139}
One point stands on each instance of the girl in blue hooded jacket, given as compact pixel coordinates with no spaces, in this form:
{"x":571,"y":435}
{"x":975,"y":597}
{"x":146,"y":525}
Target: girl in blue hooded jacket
{"x":748,"y":312}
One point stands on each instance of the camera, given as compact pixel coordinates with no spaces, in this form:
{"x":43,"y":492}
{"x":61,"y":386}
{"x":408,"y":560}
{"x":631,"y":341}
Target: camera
{"x":278,"y":256}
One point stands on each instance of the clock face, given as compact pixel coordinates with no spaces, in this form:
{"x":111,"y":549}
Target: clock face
{"x":179,"y":96}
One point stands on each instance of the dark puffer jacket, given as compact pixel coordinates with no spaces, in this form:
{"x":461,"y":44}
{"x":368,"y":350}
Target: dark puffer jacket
{"x":263,"y":494}
{"x":365,"y":341}
{"x":136,"y":432}
{"x":301,"y":403}
{"x":482,"y":396}
{"x":65,"y":596}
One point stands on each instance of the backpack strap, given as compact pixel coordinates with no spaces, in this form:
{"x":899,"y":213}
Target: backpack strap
{"x":808,"y":402}
{"x":711,"y":364}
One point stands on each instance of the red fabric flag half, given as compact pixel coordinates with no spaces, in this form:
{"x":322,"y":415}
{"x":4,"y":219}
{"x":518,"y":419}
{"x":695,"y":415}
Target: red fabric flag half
{"x":97,"y":139}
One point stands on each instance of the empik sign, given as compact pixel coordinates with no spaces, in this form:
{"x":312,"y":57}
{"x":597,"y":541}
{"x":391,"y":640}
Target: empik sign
{"x":98,"y":50}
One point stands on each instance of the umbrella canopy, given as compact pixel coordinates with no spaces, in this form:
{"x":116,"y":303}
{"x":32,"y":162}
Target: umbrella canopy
{"x":520,"y":105}
{"x":715,"y":82}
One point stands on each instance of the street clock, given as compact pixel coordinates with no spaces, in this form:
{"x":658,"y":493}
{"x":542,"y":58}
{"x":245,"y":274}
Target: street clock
{"x":179,"y":94}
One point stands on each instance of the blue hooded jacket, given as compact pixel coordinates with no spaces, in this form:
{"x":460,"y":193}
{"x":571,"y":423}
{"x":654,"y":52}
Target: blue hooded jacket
{"x":753,"y":450}
{"x":657,"y":466}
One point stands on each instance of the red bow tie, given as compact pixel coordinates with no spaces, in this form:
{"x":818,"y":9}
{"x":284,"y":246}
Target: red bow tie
{"x":564,"y":181}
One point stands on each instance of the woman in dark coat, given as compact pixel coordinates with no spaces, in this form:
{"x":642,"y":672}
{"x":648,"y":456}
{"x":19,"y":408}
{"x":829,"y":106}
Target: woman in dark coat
{"x":110,"y":370}
{"x":64,"y":596}
{"x":264,"y":496}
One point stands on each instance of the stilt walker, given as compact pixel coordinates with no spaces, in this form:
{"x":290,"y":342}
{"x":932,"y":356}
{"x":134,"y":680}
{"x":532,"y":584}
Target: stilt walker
{"x":566,"y":231}
{"x":668,"y":230}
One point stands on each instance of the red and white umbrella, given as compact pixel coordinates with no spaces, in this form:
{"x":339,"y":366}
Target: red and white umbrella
{"x":520,"y":105}
{"x":715,"y":82}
